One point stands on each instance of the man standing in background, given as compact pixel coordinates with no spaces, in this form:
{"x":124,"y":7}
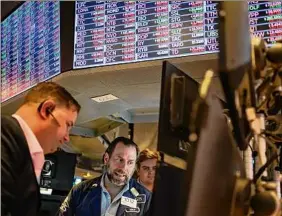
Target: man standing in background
{"x":38,"y":127}
{"x":146,"y":168}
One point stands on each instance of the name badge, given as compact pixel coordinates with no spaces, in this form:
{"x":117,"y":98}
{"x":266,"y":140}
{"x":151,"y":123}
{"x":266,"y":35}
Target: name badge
{"x":131,"y":210}
{"x":132,"y":203}
{"x":141,"y":198}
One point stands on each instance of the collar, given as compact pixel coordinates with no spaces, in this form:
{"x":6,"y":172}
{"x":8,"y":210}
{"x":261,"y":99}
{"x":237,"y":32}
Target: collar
{"x":33,"y":144}
{"x":140,"y":182}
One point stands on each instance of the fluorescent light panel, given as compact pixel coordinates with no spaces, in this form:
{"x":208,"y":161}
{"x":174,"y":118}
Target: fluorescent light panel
{"x":104,"y":98}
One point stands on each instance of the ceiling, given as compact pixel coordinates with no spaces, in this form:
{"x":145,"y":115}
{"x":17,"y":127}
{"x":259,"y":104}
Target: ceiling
{"x":136,"y":85}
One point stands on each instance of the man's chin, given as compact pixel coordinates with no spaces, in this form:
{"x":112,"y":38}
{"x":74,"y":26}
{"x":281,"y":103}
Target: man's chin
{"x":52,"y":150}
{"x":118,"y":182}
{"x":49,"y":151}
{"x":117,"y":178}
{"x":149,"y":182}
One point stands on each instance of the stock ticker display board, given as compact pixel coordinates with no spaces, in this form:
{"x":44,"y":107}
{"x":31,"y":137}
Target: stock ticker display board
{"x":114,"y":32}
{"x":30,"y":46}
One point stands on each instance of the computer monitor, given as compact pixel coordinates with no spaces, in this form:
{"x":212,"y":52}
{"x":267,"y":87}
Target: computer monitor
{"x":178,"y":91}
{"x":212,"y":162}
{"x":213,"y":166}
{"x":57,"y":179}
{"x":77,"y":180}
{"x":58,"y":172}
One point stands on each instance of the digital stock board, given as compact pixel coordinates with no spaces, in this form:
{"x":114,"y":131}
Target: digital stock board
{"x":115,"y":32}
{"x":30,"y":46}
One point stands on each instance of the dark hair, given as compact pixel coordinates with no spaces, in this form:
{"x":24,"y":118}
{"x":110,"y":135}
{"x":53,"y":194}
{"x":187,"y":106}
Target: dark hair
{"x":146,"y":155}
{"x":50,"y":90}
{"x":125,"y":141}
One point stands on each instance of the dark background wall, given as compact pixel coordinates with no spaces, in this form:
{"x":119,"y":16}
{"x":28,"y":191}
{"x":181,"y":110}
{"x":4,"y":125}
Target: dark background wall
{"x":8,"y":6}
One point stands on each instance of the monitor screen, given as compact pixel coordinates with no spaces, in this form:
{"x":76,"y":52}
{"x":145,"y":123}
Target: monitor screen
{"x":30,"y":46}
{"x":114,"y":32}
{"x":58,"y":171}
{"x":178,"y":92}
{"x":205,"y":185}
{"x":77,"y":180}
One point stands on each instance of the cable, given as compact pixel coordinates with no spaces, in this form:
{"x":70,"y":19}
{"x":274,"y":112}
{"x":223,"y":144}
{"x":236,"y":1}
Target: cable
{"x":254,"y":152}
{"x":269,"y":161}
{"x":279,"y":139}
{"x":251,"y":148}
{"x":263,"y":168}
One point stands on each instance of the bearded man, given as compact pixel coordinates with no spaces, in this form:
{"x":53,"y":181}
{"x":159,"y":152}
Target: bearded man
{"x":113,"y":193}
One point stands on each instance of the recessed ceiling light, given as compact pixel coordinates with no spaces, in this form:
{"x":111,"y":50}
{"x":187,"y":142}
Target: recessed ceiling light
{"x":104,"y":98}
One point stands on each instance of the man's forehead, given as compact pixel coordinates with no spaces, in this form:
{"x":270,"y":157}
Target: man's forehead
{"x":71,"y":108}
{"x":122,"y":149}
{"x":149,"y":163}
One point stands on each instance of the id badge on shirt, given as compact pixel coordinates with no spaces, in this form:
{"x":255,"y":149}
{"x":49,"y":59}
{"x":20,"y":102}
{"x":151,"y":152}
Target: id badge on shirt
{"x":132,"y":203}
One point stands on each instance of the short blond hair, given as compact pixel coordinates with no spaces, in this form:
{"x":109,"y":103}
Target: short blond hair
{"x":146,"y":155}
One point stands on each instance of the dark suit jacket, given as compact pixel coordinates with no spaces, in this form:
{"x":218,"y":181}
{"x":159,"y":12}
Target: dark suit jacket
{"x":19,"y":188}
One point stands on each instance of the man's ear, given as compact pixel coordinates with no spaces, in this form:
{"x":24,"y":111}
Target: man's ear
{"x":106,"y":158}
{"x":46,"y":108}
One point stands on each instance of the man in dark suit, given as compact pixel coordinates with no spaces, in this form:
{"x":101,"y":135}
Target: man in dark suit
{"x":38,"y":127}
{"x":113,"y":193}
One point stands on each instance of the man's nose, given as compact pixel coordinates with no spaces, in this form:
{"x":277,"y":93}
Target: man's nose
{"x":123,"y":165}
{"x":67,"y":138}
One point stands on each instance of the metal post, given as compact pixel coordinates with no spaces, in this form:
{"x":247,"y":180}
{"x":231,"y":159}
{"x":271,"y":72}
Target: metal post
{"x":131,"y":131}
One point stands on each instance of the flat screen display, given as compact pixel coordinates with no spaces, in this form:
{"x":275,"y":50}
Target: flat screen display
{"x":30,"y":46}
{"x":115,"y":32}
{"x":77,"y":180}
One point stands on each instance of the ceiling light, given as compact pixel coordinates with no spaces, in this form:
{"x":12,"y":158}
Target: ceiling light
{"x":104,"y":98}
